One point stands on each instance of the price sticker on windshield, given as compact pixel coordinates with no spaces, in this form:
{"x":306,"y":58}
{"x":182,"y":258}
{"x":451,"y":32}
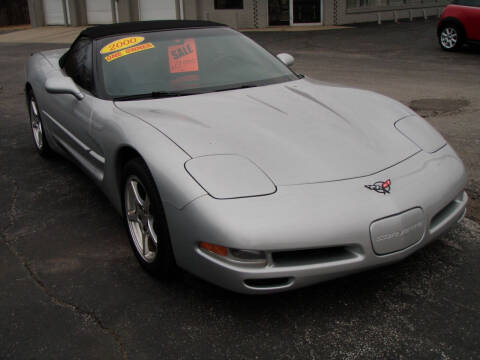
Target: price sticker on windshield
{"x":183,"y":57}
{"x":121,"y":44}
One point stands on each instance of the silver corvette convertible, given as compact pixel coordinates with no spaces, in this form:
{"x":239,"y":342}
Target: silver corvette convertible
{"x":226,"y":163}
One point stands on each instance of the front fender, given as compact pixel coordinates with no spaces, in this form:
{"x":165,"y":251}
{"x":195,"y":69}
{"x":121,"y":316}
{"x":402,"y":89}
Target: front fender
{"x":116,"y":129}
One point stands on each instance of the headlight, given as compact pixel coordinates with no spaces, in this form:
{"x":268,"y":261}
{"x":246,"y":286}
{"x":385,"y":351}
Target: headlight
{"x":421,"y":133}
{"x":229,"y":176}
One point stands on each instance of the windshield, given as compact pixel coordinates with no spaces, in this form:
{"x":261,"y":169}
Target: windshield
{"x":182,"y":62}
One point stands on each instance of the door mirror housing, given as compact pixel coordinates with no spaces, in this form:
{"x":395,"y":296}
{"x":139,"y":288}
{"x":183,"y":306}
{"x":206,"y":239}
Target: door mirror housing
{"x":287,"y":59}
{"x":63,"y":85}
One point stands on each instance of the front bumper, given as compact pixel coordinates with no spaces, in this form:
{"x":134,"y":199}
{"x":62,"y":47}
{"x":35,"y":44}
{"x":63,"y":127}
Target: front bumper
{"x":316,"y":232}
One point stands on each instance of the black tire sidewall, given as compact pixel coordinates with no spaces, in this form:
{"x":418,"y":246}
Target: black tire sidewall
{"x":460,"y":37}
{"x":164,"y":263}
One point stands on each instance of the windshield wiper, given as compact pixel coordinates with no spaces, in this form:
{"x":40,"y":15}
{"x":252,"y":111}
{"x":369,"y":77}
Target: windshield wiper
{"x":165,"y":94}
{"x":245,"y":86}
{"x":151,"y":95}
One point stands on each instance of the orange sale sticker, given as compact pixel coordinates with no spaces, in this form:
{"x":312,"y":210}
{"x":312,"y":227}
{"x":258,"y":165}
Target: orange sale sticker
{"x":121,"y":44}
{"x":183,"y":57}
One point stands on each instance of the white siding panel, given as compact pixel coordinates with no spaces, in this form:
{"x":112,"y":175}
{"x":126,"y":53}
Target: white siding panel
{"x":157,"y":9}
{"x":53,"y":10}
{"x":99,"y":11}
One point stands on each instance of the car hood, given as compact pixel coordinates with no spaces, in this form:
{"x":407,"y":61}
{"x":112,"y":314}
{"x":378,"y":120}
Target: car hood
{"x":297,"y":132}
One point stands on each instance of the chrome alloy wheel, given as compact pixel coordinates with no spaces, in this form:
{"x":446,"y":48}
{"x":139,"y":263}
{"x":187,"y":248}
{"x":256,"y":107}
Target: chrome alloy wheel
{"x":449,"y":37}
{"x":36,"y":123}
{"x":140,"y":219}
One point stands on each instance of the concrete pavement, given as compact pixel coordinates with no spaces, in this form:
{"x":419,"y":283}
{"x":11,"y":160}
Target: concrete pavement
{"x":44,"y":35}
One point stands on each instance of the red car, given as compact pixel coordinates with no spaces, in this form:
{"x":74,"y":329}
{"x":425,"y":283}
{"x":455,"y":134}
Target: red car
{"x":459,"y":24}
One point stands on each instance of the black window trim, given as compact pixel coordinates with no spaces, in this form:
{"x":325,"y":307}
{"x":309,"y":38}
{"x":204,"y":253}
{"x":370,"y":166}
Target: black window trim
{"x":63,"y":59}
{"x":98,"y":75}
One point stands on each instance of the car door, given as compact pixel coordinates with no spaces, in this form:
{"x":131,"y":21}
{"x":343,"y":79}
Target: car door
{"x":473,"y":29}
{"x":73,"y":117}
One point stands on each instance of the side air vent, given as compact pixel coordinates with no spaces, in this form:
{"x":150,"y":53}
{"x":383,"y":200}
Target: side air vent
{"x":445,"y":215}
{"x":312,"y":256}
{"x":268,"y":283}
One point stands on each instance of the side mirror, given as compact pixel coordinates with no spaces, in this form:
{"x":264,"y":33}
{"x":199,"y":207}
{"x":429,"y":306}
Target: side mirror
{"x":63,"y":85}
{"x":287,"y":59}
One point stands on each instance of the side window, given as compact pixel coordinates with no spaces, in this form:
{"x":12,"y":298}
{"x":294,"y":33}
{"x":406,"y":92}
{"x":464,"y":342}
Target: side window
{"x":79,"y":64}
{"x":473,"y":3}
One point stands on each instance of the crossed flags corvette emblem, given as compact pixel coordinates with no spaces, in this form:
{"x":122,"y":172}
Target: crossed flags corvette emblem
{"x":382,"y":187}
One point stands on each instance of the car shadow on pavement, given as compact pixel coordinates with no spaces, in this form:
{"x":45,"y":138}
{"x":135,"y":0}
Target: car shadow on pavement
{"x":470,"y":49}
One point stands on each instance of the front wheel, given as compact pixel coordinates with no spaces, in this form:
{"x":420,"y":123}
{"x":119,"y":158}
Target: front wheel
{"x":451,"y":37}
{"x":145,"y":220}
{"x":36,"y":124}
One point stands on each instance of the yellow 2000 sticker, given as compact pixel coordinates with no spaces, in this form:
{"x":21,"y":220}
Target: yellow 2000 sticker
{"x":121,"y":44}
{"x":132,"y":50}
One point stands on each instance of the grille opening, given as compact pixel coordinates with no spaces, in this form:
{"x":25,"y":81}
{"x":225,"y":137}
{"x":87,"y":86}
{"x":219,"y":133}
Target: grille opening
{"x":267,"y":283}
{"x":443,"y":214}
{"x":312,"y":256}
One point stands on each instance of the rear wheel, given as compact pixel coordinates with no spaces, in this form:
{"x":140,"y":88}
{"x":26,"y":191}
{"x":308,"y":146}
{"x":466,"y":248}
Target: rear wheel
{"x":36,"y":124}
{"x":145,"y":220}
{"x":451,"y":37}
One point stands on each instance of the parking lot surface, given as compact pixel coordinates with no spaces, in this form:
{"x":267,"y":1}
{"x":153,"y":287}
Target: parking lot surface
{"x":71,"y":287}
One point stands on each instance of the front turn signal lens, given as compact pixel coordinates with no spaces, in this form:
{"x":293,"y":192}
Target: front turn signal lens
{"x":217,"y":249}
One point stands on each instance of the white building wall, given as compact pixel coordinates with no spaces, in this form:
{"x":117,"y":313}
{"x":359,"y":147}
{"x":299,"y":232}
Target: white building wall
{"x":99,"y":11}
{"x":157,"y":10}
{"x":397,"y":9}
{"x":54,"y":12}
{"x":253,"y":15}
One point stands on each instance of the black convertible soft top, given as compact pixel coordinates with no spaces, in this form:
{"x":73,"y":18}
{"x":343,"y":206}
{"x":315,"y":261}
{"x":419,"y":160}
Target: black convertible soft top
{"x":100,"y":31}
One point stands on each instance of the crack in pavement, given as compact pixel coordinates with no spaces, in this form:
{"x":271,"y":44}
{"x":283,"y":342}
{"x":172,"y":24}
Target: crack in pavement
{"x":11,"y":211}
{"x":90,"y":316}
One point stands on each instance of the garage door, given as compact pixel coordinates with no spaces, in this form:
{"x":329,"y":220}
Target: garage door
{"x":99,"y":12}
{"x":53,"y":10}
{"x":157,"y":10}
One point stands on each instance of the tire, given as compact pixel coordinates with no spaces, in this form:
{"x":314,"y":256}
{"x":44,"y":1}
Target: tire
{"x":451,"y":37}
{"x":145,"y":221}
{"x":36,"y":125}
